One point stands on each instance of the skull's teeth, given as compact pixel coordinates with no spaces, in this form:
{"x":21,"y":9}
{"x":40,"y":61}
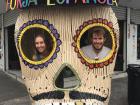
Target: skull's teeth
{"x":72,"y":103}
{"x":67,"y":103}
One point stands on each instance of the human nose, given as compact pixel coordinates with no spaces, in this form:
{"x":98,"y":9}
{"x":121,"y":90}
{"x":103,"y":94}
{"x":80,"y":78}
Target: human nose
{"x":38,"y":45}
{"x":97,"y":40}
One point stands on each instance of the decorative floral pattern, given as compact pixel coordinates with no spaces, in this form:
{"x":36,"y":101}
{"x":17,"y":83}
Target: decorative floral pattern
{"x":86,"y":26}
{"x":53,"y":32}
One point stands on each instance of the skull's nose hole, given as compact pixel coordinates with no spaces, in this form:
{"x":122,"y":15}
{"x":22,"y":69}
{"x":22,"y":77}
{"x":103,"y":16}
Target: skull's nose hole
{"x":67,"y":79}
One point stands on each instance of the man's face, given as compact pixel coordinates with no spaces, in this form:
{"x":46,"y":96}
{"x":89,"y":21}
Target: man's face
{"x":40,"y":44}
{"x":97,"y":41}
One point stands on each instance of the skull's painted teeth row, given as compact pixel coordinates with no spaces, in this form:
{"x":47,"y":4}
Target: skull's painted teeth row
{"x":73,"y":103}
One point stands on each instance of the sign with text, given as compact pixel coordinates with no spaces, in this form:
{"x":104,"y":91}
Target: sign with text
{"x":13,"y":4}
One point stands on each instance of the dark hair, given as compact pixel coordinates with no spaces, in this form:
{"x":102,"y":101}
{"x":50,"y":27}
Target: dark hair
{"x":40,"y":35}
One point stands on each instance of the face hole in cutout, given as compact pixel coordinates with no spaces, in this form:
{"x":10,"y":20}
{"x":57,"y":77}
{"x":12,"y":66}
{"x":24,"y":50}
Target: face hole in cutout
{"x":96,"y":43}
{"x":67,"y":79}
{"x":36,"y":44}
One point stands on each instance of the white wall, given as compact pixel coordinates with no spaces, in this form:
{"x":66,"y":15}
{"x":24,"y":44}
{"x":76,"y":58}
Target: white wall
{"x":132,"y":45}
{"x":1,"y":59}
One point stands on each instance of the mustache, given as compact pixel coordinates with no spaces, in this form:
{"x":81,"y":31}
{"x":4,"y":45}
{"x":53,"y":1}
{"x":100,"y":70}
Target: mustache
{"x":49,"y":95}
{"x":84,"y":95}
{"x":75,"y":95}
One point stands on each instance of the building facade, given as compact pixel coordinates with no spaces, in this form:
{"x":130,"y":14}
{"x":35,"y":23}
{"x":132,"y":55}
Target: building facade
{"x":129,"y":50}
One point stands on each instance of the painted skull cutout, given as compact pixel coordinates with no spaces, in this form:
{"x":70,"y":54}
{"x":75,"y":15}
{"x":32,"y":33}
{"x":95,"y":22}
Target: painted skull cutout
{"x":56,"y":49}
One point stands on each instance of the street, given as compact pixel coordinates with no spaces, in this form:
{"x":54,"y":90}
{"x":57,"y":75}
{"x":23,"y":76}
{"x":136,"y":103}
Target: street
{"x":119,"y":92}
{"x":14,"y":92}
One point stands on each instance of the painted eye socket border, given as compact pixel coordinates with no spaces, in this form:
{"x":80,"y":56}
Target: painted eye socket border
{"x":99,"y":22}
{"x":44,"y":24}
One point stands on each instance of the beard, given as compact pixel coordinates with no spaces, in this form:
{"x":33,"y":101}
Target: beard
{"x":97,"y":49}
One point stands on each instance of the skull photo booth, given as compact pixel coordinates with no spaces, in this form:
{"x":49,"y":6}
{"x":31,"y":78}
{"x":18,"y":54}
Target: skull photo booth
{"x":66,"y":75}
